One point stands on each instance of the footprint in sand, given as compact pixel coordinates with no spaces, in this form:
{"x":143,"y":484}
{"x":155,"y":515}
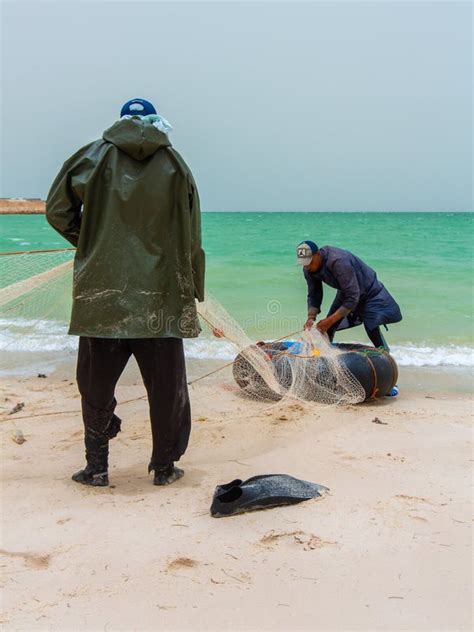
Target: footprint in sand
{"x":33,"y":560}
{"x":419,"y":518}
{"x":291,"y":412}
{"x":415,"y":503}
{"x":181,"y":563}
{"x":308,"y":541}
{"x":413,"y":500}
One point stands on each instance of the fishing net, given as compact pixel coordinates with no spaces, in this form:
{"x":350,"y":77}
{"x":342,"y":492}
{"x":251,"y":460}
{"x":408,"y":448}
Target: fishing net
{"x":304,"y":367}
{"x":35,"y":303}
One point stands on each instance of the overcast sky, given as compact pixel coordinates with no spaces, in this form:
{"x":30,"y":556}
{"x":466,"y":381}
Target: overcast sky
{"x":282,"y":106}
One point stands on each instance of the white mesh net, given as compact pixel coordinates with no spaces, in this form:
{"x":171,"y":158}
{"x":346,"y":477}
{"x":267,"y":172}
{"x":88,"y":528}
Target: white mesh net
{"x":35,"y":301}
{"x":302,"y":366}
{"x":35,"y":304}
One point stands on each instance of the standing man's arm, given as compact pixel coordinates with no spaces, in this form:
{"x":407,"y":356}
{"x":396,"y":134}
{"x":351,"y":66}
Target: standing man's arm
{"x":197,"y":253}
{"x":315,"y":298}
{"x":198,"y":264}
{"x":63,"y":206}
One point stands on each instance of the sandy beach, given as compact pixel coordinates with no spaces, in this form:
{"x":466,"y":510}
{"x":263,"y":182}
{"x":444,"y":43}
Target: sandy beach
{"x":388,"y":549}
{"x":290,"y":173}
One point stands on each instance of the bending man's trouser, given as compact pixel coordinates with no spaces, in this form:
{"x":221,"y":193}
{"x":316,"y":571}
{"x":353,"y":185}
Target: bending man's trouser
{"x":100,"y":363}
{"x":381,"y":309}
{"x":375,"y":335}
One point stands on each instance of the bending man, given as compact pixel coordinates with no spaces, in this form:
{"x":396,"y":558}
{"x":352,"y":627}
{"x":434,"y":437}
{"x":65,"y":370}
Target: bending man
{"x":361,"y":297}
{"x":129,"y":203}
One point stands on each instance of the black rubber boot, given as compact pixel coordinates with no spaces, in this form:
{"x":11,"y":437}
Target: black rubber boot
{"x":114,"y":427}
{"x":88,"y":476}
{"x":165,"y":475}
{"x":97,"y":458}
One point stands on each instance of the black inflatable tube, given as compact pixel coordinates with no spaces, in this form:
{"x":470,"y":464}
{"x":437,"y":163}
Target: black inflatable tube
{"x":374,"y":369}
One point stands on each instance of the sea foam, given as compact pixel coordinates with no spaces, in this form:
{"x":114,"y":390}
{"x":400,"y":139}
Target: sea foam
{"x":43,"y":336}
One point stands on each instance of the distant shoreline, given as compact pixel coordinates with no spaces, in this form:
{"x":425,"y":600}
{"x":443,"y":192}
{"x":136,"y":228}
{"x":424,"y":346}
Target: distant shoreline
{"x":36,"y":206}
{"x":12,"y":206}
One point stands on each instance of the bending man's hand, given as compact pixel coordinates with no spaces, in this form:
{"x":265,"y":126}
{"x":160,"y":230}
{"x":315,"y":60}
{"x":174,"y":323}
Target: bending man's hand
{"x":324,"y":325}
{"x":328,"y":322}
{"x":218,"y":333}
{"x":309,"y":324}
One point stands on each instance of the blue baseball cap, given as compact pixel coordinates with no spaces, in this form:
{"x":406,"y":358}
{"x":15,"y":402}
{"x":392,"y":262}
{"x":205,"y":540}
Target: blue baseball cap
{"x":137,"y":107}
{"x":305,"y":251}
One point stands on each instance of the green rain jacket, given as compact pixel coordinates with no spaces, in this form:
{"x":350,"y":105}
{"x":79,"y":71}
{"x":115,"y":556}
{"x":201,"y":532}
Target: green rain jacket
{"x":129,"y":203}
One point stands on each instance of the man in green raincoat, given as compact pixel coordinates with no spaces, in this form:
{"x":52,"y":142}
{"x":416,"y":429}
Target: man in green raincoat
{"x":129,"y":204}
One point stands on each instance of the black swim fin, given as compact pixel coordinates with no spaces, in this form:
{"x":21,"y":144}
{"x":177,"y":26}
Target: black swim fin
{"x":262,"y":492}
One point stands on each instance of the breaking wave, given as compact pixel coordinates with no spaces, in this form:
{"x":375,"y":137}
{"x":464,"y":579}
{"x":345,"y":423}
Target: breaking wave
{"x":446,"y":355}
{"x":43,"y":336}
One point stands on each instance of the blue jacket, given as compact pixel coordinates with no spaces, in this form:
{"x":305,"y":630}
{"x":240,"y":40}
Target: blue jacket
{"x":358,"y":289}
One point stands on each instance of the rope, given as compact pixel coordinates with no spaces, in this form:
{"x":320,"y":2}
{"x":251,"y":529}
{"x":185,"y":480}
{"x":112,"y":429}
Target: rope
{"x":221,"y":368}
{"x":34,"y":252}
{"x":375,"y":391}
{"x":294,"y":333}
{"x":207,"y":321}
{"x":8,"y":417}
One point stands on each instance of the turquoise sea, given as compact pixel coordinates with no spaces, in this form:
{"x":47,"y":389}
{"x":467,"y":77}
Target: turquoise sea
{"x":424,"y":259}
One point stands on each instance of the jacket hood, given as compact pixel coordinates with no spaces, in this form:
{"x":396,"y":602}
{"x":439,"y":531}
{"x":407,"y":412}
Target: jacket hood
{"x":136,"y":137}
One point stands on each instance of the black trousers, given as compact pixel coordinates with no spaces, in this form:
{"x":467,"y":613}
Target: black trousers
{"x":375,"y":336}
{"x":101,"y":362}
